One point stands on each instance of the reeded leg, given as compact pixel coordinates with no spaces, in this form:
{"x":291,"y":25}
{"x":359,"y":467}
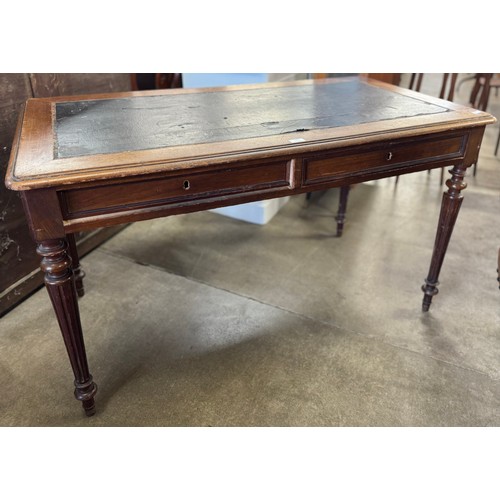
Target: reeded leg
{"x":344,"y":194}
{"x":450,"y":206}
{"x":59,"y":281}
{"x":75,"y":263}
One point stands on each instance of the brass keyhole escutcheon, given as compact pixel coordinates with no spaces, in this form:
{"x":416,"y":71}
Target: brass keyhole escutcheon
{"x":186,"y":185}
{"x":389,"y":156}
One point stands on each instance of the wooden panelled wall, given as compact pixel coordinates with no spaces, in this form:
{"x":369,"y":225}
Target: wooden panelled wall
{"x":19,"y":271}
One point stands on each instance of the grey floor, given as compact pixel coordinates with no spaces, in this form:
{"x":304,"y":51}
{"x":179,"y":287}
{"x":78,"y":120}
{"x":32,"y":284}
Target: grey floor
{"x":203,"y":320}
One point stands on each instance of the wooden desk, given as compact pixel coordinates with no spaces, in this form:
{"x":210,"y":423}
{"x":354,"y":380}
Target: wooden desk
{"x":91,"y":161}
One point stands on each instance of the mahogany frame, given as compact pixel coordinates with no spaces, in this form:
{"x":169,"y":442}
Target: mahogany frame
{"x":63,"y":196}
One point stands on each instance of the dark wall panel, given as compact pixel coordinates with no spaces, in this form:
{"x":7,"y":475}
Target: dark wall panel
{"x":53,"y":84}
{"x":17,"y":256}
{"x":19,"y":274}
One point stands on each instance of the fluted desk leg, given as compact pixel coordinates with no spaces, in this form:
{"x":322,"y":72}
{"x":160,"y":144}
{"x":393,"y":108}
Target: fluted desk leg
{"x":60,"y":284}
{"x":450,"y":206}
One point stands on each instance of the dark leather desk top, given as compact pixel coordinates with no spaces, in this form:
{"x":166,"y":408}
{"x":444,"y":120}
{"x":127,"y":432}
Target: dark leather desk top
{"x":137,"y":123}
{"x":72,"y":140}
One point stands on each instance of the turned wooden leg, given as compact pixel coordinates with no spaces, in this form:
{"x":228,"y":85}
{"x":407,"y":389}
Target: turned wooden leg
{"x":75,"y":264}
{"x":60,"y":284}
{"x":498,"y":268}
{"x":450,"y":206}
{"x":344,"y":194}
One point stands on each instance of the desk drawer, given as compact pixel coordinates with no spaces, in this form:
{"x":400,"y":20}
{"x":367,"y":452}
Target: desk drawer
{"x":393,"y":155}
{"x":177,"y":188}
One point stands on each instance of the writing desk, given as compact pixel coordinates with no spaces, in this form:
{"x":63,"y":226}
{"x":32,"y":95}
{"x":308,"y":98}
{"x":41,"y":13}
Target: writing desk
{"x":91,"y":161}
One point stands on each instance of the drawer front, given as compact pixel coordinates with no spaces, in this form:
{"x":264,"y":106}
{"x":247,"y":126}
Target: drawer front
{"x":175,"y":189}
{"x":336,"y":165}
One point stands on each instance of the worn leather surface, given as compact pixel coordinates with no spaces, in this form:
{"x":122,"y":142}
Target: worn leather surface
{"x":147,"y":122}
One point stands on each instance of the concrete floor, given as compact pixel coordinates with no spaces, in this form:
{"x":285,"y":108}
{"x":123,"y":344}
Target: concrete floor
{"x":203,"y":320}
